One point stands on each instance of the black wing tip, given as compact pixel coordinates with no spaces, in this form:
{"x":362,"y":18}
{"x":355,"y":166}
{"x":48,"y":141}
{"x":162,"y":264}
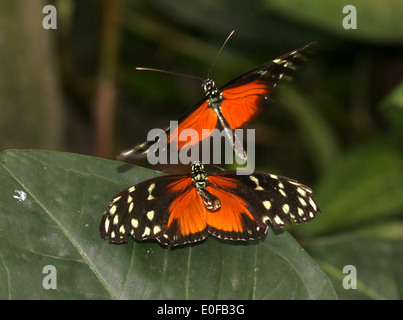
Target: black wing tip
{"x":309,"y":44}
{"x":102,"y":230}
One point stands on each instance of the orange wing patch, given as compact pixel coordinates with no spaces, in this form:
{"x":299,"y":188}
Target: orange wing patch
{"x":202,"y":118}
{"x":187,"y":217}
{"x":189,"y":220}
{"x":187,"y":210}
{"x":228,"y":217}
{"x":234,"y":219}
{"x":242,"y":103}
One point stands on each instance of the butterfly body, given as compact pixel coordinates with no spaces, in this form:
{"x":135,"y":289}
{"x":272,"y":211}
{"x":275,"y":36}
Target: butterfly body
{"x":228,"y":107}
{"x":179,"y":209}
{"x":210,"y":201}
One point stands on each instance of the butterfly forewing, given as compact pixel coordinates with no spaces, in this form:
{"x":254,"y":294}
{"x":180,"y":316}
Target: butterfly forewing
{"x":245,"y":96}
{"x":141,"y":210}
{"x":200,"y":118}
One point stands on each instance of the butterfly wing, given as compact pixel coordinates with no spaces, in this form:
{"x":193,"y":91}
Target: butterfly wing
{"x":199,"y":118}
{"x":166,"y":208}
{"x":269,"y":197}
{"x":236,"y":219}
{"x":245,"y":96}
{"x":142,"y":210}
{"x":243,"y":99}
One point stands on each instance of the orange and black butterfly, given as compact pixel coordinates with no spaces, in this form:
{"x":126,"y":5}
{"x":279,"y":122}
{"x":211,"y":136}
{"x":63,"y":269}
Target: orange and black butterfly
{"x":229,"y":107}
{"x":180,"y":209}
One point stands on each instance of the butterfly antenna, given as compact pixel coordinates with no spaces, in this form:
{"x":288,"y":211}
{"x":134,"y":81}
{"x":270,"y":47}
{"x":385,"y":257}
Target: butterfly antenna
{"x":219,"y":52}
{"x":169,"y":72}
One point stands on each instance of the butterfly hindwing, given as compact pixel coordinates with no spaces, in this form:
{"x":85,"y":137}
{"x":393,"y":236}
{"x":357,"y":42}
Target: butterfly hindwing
{"x":277,"y":199}
{"x":236,"y":219}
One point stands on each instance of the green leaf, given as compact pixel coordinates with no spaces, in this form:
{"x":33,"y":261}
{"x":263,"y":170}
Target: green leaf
{"x":57,"y":224}
{"x":375,"y":252}
{"x":394,"y":99}
{"x":377,"y":21}
{"x":363,"y":187}
{"x":391,"y":108}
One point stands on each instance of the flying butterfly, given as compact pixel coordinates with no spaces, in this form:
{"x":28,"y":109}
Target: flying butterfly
{"x":179,"y":209}
{"x":226,"y":108}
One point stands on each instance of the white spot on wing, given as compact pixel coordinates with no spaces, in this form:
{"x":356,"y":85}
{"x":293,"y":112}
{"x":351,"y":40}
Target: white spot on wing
{"x":313,"y":204}
{"x":112,"y":210}
{"x":301,"y":192}
{"x":135,"y":223}
{"x":267,"y":204}
{"x":116,"y":199}
{"x":294,"y":183}
{"x":303,"y":202}
{"x":156,"y":229}
{"x":107,"y":224}
{"x":122,"y":229}
{"x":150,"y":215}
{"x":278,"y":61}
{"x":278,"y":220}
{"x":150,"y":189}
{"x":146,"y":232}
{"x":256,"y":181}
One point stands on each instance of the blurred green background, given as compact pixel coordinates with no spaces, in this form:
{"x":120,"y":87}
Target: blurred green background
{"x":337,"y":126}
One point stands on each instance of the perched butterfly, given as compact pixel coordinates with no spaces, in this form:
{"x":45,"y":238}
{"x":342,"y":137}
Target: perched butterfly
{"x":227,"y":108}
{"x":179,"y":209}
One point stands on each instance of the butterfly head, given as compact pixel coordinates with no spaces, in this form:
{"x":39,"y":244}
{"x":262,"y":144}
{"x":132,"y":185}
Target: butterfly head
{"x":209,"y":87}
{"x":197,"y":170}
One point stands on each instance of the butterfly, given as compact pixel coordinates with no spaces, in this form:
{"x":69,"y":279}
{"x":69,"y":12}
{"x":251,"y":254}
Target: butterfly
{"x":185,"y":208}
{"x":227,"y":108}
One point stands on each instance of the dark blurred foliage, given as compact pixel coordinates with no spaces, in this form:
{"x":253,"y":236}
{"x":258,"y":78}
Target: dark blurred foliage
{"x":342,"y":82}
{"x":336,"y":126}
